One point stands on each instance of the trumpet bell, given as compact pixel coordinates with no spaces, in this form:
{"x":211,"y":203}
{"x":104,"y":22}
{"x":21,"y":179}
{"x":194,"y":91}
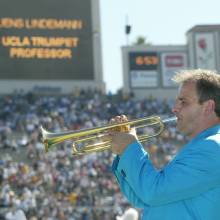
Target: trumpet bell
{"x":96,"y":139}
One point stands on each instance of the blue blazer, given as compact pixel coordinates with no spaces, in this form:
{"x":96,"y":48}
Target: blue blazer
{"x":188,"y":188}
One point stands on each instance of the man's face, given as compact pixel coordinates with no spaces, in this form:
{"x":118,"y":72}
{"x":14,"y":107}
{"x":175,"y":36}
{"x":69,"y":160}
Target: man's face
{"x":189,"y":112}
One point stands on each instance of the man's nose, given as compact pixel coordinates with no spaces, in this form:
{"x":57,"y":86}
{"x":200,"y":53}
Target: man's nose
{"x":175,"y":109}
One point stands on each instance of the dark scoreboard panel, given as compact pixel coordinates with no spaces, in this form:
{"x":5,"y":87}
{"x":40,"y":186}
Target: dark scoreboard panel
{"x":46,"y":39}
{"x":143,"y":69}
{"x":143,"y":60}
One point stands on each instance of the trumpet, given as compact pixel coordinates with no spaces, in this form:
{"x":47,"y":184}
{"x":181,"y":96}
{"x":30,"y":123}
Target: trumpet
{"x":96,"y":139}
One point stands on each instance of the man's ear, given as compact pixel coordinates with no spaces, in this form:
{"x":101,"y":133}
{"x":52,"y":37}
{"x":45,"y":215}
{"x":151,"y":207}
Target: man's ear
{"x":209,"y":107}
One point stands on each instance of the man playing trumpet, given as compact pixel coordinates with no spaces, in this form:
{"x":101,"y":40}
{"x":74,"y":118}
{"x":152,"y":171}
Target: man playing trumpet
{"x":188,"y":188}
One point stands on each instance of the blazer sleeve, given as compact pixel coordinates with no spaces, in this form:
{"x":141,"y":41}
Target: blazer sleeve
{"x":195,"y":171}
{"x":126,"y":190}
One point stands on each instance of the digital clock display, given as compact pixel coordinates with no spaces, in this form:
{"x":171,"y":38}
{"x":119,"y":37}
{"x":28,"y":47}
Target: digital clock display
{"x":143,"y":60}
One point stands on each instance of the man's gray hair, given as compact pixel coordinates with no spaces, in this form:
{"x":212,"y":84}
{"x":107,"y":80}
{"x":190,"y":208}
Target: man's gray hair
{"x":207,"y":84}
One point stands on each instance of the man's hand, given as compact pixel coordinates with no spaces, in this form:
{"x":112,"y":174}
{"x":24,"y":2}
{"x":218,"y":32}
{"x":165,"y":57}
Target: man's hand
{"x":121,"y":138}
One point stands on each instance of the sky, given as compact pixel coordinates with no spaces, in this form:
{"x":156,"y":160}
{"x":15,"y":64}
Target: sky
{"x":160,"y":22}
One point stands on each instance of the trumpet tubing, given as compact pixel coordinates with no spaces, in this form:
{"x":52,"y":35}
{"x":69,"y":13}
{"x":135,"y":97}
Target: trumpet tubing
{"x":95,"y":139}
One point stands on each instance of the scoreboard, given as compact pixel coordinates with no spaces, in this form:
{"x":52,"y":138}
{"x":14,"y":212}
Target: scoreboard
{"x":152,"y":67}
{"x":46,"y":39}
{"x":143,"y":69}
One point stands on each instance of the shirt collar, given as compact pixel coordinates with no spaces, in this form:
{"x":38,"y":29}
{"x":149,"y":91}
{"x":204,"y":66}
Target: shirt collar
{"x":207,"y":132}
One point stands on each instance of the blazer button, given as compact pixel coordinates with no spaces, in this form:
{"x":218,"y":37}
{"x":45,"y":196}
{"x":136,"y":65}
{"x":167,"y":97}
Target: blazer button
{"x":123,"y":173}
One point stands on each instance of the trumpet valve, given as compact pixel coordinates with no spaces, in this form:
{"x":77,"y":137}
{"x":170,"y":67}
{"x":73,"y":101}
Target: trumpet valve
{"x":122,"y":128}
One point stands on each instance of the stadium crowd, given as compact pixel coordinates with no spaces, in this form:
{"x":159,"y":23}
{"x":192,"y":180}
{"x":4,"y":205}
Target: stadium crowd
{"x":57,"y":185}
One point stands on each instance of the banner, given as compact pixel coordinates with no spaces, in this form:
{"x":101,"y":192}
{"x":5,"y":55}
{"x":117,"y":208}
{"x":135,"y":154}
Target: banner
{"x":172,"y":62}
{"x":205,"y":51}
